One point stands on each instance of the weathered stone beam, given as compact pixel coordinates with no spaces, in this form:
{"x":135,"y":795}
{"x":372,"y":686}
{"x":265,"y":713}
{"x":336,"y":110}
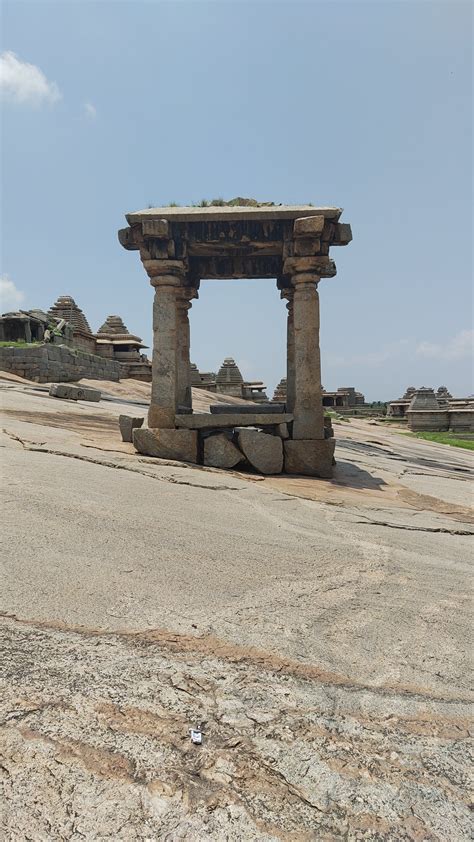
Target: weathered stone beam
{"x":238,"y":267}
{"x":205,"y":421}
{"x":253,"y":248}
{"x":243,"y":409}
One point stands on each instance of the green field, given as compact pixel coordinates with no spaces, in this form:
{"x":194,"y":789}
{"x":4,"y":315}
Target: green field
{"x":464,"y":440}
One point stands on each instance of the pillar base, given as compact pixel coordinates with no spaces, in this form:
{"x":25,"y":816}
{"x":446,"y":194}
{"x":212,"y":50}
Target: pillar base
{"x":161,"y":418}
{"x":310,"y":457}
{"x":179,"y":445}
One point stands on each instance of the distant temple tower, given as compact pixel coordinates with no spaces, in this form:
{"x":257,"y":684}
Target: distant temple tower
{"x":229,"y":379}
{"x":67,"y":309}
{"x":279,"y":395}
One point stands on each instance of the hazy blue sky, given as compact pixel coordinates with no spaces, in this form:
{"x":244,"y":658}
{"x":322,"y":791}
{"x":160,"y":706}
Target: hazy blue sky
{"x":364,"y":105}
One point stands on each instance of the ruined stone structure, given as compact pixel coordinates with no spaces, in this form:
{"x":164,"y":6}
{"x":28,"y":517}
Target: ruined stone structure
{"x":398,"y":408}
{"x":23,"y":326}
{"x":203,"y":379}
{"x":346,"y":397}
{"x":425,"y":411}
{"x":65,"y":309}
{"x":181,"y":246}
{"x":114,"y":341}
{"x":443,"y":396}
{"x":228,"y":381}
{"x":72,"y":350}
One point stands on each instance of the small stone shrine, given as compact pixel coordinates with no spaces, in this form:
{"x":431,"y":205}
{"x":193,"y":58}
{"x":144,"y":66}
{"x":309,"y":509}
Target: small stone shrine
{"x":181,"y":246}
{"x":116,"y":342}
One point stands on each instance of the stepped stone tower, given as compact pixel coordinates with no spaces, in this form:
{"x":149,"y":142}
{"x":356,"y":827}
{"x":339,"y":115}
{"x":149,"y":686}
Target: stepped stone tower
{"x":115,"y":330}
{"x":67,"y":309}
{"x":229,"y":379}
{"x":113,"y":325}
{"x":424,"y":398}
{"x":279,"y":395}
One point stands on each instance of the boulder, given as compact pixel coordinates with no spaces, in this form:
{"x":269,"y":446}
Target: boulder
{"x":180,"y":445}
{"x":310,"y":457}
{"x":73,"y":393}
{"x":127,"y":424}
{"x":219,"y":452}
{"x":263,"y":451}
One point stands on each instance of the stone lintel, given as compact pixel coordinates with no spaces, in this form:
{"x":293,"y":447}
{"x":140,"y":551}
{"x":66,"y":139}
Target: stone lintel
{"x":206,"y":421}
{"x":269,"y":408}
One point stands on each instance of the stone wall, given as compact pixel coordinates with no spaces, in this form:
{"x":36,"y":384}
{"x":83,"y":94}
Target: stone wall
{"x":57,"y":364}
{"x":461,"y":420}
{"x":441,"y":420}
{"x":428,"y":420}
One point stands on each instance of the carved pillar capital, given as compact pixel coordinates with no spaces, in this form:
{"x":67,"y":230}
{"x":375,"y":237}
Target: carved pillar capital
{"x":304,"y":279}
{"x":165,"y":272}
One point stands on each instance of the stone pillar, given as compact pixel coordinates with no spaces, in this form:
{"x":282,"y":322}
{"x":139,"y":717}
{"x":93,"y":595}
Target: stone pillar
{"x":184,"y":394}
{"x":161,"y":413}
{"x":308,"y":407}
{"x":290,"y":353}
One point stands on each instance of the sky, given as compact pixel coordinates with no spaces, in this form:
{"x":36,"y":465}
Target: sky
{"x":109,"y":107}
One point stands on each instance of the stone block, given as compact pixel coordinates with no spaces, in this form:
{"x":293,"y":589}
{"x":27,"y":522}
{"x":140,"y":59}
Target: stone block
{"x":220,"y":452}
{"x":206,"y":421}
{"x":282,"y":431}
{"x":243,"y":409}
{"x":181,"y":445}
{"x":342,"y":234}
{"x":127,"y":424}
{"x":312,"y":458}
{"x":156,"y":228}
{"x":263,"y":451}
{"x":321,"y":265}
{"x":306,"y":247}
{"x":73,"y":393}
{"x":308,"y":226}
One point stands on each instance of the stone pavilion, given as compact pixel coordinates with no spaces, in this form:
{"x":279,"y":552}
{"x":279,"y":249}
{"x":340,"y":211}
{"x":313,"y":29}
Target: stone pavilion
{"x":181,"y":246}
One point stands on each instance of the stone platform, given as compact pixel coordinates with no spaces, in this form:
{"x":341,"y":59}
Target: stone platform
{"x":234,"y":440}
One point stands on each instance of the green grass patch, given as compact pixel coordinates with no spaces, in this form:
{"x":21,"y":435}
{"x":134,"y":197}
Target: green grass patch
{"x":464,"y":440}
{"x":19,"y":344}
